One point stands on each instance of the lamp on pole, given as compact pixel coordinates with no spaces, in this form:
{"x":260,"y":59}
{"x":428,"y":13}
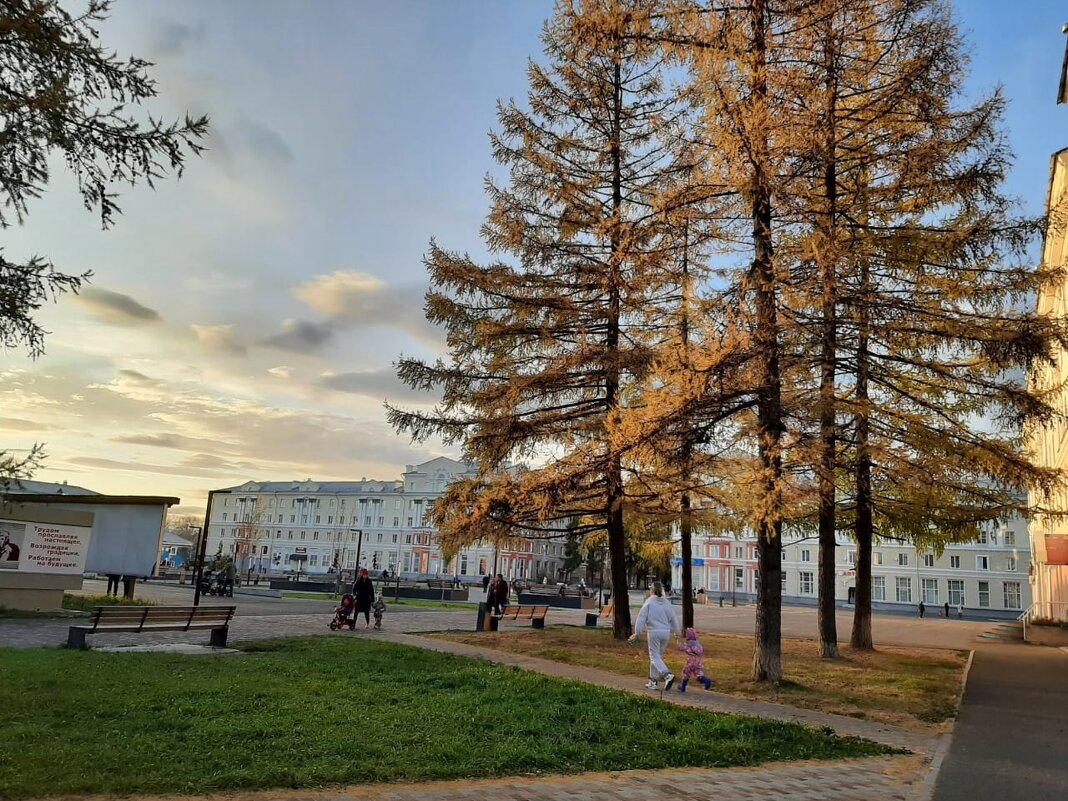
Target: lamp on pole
{"x":202,"y":550}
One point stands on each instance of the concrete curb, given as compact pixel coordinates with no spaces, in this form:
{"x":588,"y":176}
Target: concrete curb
{"x":924,"y":790}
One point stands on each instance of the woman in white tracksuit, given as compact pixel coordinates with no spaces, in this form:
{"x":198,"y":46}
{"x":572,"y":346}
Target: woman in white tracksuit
{"x":657,"y":616}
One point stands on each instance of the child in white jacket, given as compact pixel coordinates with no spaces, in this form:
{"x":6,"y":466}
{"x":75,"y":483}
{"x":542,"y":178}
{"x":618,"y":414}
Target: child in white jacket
{"x":657,"y":616}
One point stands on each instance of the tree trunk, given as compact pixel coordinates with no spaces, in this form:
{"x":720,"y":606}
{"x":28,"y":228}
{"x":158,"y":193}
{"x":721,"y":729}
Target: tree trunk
{"x":828,"y":264}
{"x":686,"y":544}
{"x":617,"y":543}
{"x":767,"y":656}
{"x":861,"y":636}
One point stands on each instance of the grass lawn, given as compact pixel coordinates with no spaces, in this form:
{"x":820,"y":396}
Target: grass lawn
{"x":83,"y":603}
{"x":310,"y":711}
{"x":911,"y":687}
{"x":87,"y":603}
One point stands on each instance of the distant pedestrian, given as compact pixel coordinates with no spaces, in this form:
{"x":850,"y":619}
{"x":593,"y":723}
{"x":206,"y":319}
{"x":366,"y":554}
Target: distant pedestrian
{"x":379,"y":609}
{"x":695,"y":661}
{"x":363,"y":590}
{"x":113,"y":583}
{"x":485,"y":582}
{"x":922,"y":608}
{"x":947,"y":610}
{"x":960,"y":610}
{"x":658,"y":617}
{"x":500,"y":593}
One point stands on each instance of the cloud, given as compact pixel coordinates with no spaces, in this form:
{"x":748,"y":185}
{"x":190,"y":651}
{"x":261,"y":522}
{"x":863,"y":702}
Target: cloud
{"x":138,"y":466}
{"x":300,"y":336}
{"x":379,"y":384}
{"x":116,"y":308}
{"x":173,"y":441}
{"x":282,"y":372}
{"x":16,"y":424}
{"x":135,"y":377}
{"x":351,"y":298}
{"x":264,"y":142}
{"x":220,"y":339}
{"x":173,"y":38}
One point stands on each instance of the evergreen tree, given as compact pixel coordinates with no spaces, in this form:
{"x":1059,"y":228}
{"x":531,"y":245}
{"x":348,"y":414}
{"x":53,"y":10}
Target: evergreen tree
{"x":544,"y":350}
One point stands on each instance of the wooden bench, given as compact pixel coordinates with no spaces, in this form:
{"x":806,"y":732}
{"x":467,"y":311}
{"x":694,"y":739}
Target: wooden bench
{"x":535,"y":614}
{"x":440,"y":584}
{"x":155,"y":618}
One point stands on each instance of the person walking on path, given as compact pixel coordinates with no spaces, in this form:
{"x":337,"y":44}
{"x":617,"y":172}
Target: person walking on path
{"x":922,"y":608}
{"x":947,"y":610}
{"x":658,"y":617}
{"x":960,"y":610}
{"x":695,"y":661}
{"x":363,"y":590}
{"x":113,"y":584}
{"x":379,"y":609}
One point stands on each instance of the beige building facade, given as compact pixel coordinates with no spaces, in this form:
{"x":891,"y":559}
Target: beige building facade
{"x":1049,"y":445}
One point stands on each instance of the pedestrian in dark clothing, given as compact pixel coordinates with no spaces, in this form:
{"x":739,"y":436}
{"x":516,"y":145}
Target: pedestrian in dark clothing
{"x":922,"y":608}
{"x":947,"y":609}
{"x":113,"y":583}
{"x":363,"y":590}
{"x":500,"y":595}
{"x":485,"y":582}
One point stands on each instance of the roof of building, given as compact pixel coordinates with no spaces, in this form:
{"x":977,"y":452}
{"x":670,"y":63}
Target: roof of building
{"x":342,"y":487}
{"x":170,"y":538}
{"x":26,"y":491}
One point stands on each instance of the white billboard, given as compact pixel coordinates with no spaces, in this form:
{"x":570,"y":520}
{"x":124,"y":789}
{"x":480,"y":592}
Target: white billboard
{"x":31,"y":547}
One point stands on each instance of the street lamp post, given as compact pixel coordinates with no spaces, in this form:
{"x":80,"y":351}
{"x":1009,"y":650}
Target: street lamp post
{"x":359,"y":545}
{"x":202,"y":551}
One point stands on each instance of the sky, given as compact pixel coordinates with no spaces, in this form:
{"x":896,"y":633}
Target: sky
{"x":242,"y":322}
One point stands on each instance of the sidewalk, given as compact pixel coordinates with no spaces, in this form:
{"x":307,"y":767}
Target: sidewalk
{"x":1011,"y":737}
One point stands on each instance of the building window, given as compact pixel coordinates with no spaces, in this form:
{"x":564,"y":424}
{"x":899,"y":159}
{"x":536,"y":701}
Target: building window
{"x":982,"y":536}
{"x":956,"y":592}
{"x":1010,"y":537}
{"x":878,"y":588}
{"x":292,"y":518}
{"x":290,"y":533}
{"x":930,"y":591}
{"x":806,"y":556}
{"x":878,"y":556}
{"x":381,"y":520}
{"x":784,"y":582}
{"x":903,"y":559}
{"x":1010,"y":563}
{"x":329,"y":518}
{"x":739,"y":578}
{"x":805,"y":583}
{"x":737,"y":552}
{"x":982,"y":563}
{"x":396,"y":521}
{"x":984,"y":594}
{"x":303,"y":535}
{"x":954,"y":562}
{"x":481,"y":564}
{"x":928,"y":560}
{"x":394,"y":537}
{"x":851,"y":557}
{"x":463,"y":564}
{"x":380,"y":536}
{"x":904,"y":590}
{"x":409,"y":525}
{"x":315,"y":560}
{"x":317,"y":520}
{"x":1012,"y":595}
{"x":224,"y":517}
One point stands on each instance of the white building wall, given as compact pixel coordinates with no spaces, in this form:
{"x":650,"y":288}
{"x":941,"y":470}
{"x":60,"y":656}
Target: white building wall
{"x":318,"y":525}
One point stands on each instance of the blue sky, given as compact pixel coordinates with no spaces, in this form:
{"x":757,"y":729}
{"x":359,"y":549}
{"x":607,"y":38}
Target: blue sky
{"x":242,"y":321}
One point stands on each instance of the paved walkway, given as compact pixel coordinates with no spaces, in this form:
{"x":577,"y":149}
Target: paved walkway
{"x":1011,"y":736}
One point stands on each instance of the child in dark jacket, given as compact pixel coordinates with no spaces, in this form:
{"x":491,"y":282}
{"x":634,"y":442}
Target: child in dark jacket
{"x":695,"y":663}
{"x":378,"y":609}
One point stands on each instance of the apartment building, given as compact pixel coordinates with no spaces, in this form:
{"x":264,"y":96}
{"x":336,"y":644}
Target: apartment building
{"x":989,"y":576}
{"x":316,"y":526}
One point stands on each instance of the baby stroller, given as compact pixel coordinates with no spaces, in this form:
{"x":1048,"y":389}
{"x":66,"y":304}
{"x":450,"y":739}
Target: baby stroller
{"x":344,"y":615}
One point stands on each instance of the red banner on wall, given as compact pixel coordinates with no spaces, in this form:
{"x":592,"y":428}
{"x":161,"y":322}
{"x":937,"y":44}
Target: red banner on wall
{"x":1057,"y":550}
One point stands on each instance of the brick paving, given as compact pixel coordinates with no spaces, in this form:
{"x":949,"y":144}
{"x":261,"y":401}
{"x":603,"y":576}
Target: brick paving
{"x":904,"y":778}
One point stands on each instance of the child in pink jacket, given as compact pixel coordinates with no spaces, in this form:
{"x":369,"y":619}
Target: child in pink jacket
{"x":695,"y":663}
